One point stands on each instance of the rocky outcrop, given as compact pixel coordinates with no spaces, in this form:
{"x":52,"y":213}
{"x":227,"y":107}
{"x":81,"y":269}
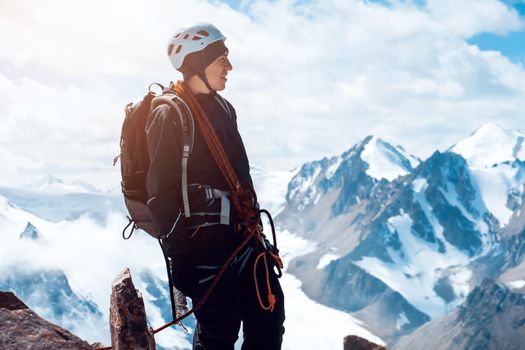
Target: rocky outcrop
{"x":353,"y":342}
{"x":129,"y":328}
{"x":492,"y":318}
{"x":21,"y":328}
{"x":30,"y":232}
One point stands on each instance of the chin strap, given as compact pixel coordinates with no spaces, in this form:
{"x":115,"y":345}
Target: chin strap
{"x":205,"y":81}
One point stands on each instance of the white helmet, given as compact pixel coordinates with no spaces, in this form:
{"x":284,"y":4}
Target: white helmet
{"x":191,"y":38}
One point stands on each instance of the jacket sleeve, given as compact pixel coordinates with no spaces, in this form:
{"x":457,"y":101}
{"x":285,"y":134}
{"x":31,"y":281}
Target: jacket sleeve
{"x":164,"y":176}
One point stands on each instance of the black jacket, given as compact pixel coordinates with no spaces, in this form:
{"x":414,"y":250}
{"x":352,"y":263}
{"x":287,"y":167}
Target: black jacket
{"x":165,"y":152}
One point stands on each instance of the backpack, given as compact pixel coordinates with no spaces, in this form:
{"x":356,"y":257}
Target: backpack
{"x":134,"y":156}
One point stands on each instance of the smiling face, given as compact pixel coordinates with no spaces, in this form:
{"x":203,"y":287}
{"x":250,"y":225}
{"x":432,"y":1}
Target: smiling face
{"x":217,"y":71}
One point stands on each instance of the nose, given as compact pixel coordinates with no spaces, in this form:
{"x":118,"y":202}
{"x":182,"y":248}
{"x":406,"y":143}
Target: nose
{"x":228,"y":65}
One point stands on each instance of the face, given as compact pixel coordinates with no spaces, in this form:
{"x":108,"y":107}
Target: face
{"x":217,"y":71}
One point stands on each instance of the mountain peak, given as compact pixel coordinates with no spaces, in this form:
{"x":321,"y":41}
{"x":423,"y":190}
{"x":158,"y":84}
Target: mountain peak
{"x":491,"y":144}
{"x":30,"y":232}
{"x":48,"y":180}
{"x":384,"y":160}
{"x":53,"y":184}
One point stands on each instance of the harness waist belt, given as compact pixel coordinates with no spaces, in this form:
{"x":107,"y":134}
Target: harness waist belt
{"x":212,"y":194}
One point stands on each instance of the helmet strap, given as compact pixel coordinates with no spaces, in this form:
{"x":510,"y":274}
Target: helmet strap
{"x":202,"y":75}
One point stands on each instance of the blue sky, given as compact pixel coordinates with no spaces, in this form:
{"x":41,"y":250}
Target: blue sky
{"x":512,"y":44}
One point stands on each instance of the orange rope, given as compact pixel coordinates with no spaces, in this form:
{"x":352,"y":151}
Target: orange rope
{"x":243,"y":196}
{"x":271,"y":296}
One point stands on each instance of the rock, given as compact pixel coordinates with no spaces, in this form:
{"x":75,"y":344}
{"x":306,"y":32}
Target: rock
{"x":353,"y":342}
{"x":127,"y":316}
{"x":30,"y":232}
{"x":21,"y":329}
{"x":492,"y":318}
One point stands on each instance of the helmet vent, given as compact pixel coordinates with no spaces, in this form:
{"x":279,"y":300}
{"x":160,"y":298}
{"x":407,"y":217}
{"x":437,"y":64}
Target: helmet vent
{"x":186,"y":36}
{"x":178,"y":49}
{"x":177,"y":35}
{"x":203,"y":33}
{"x":196,"y":38}
{"x":170,"y":49}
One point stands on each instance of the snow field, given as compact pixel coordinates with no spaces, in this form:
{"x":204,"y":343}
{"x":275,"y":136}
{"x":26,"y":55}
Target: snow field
{"x":414,"y":274}
{"x":382,"y":162}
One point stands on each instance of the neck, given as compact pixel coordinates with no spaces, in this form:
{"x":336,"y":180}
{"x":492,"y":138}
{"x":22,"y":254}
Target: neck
{"x":196,"y":85}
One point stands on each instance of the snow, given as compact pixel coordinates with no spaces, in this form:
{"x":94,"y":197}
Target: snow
{"x":490,"y":152}
{"x":382,"y":161}
{"x":419,"y":185}
{"x":452,"y":197}
{"x":303,"y":185}
{"x":308,"y":182}
{"x":326,"y":259}
{"x":459,"y":280}
{"x":413,"y":275}
{"x":172,"y":337}
{"x":518,"y":284}
{"x":489,"y":145}
{"x":53,"y":185}
{"x":292,"y":246}
{"x":336,"y":161}
{"x":494,"y":185}
{"x":310,"y":325}
{"x":401,"y":321}
{"x":271,"y":187}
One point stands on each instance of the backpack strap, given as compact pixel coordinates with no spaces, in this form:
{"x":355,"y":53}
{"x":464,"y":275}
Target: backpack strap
{"x":188,"y":136}
{"x":224,"y":105}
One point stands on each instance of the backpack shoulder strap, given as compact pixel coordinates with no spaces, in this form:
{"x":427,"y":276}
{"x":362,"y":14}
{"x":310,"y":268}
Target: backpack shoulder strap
{"x":188,"y":136}
{"x":224,"y":104}
{"x":184,"y":113}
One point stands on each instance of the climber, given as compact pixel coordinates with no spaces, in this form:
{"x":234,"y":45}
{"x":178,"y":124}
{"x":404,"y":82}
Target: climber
{"x":194,"y":207}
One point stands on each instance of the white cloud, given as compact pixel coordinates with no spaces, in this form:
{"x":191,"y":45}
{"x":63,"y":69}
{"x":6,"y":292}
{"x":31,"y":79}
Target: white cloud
{"x":309,"y":79}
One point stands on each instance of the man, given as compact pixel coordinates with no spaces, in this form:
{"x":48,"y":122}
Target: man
{"x":203,"y":230}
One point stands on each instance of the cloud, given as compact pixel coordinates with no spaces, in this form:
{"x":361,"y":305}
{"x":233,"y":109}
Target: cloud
{"x":310,"y":78}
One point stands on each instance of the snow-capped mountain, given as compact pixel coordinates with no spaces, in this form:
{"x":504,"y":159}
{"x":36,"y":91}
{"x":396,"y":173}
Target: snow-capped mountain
{"x":50,"y":295}
{"x":80,"y":256}
{"x":367,"y":163}
{"x":491,"y":145}
{"x":30,"y":232}
{"x":392,"y":241}
{"x":54,"y":200}
{"x":54,"y":185}
{"x":414,"y":244}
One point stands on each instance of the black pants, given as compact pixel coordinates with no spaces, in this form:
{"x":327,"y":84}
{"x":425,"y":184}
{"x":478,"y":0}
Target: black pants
{"x":196,"y":260}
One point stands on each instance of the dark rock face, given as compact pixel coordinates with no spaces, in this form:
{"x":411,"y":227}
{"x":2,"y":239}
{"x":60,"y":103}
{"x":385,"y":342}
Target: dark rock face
{"x":21,"y":328}
{"x":445,"y":173}
{"x":356,"y":183}
{"x":493,"y":317}
{"x":353,"y":342}
{"x":127,"y":317}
